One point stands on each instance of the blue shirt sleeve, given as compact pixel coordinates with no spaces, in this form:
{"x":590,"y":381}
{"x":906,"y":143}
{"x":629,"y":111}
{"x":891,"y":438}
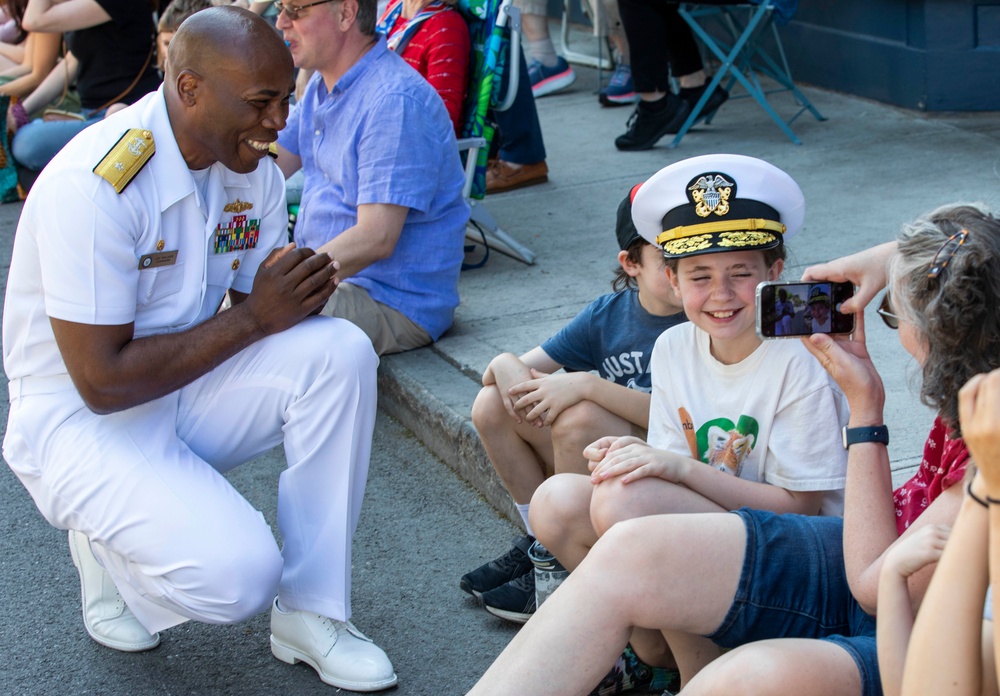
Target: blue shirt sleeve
{"x":571,"y":347}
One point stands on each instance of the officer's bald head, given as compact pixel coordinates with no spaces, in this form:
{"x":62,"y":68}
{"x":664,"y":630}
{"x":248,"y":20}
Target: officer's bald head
{"x":223,"y":37}
{"x":227,"y":87}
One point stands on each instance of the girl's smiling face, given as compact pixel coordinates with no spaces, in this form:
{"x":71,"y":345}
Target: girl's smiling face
{"x":719,"y":293}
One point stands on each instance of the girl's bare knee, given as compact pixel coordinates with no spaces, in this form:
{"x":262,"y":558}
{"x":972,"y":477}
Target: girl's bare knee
{"x":610,"y":504}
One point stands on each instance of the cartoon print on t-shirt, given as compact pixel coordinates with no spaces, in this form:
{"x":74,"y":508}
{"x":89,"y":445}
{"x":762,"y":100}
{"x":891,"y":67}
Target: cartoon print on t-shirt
{"x":726,"y":446}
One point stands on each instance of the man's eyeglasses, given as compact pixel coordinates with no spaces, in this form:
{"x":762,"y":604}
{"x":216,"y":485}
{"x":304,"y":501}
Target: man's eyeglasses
{"x":293,"y":10}
{"x":885,"y":311}
{"x":946,"y":253}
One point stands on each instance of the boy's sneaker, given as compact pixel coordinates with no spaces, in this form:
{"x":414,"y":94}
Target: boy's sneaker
{"x":630,"y":675}
{"x":619,"y":90}
{"x":499,"y":571}
{"x":545,"y":80}
{"x":646,"y":126}
{"x":514,"y":601}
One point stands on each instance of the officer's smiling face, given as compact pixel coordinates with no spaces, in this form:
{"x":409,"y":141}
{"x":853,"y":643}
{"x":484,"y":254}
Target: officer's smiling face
{"x":241,"y":108}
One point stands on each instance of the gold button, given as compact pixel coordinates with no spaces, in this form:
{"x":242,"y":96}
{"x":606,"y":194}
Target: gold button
{"x":160,"y":245}
{"x":236,"y":264}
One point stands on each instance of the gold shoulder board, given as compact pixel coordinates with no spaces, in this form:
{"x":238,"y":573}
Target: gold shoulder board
{"x":126,"y":158}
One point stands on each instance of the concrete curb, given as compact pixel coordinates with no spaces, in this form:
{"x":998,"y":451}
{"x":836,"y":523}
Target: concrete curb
{"x":441,"y":419}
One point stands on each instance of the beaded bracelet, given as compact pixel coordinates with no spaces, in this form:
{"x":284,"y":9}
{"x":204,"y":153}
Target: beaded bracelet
{"x":20,"y":115}
{"x":968,"y":489}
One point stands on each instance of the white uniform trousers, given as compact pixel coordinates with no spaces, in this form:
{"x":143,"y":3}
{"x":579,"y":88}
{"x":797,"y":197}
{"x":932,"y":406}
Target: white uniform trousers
{"x":145,"y":484}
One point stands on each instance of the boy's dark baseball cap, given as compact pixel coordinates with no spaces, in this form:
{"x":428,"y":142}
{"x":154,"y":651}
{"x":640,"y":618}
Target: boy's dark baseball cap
{"x":625,"y":229}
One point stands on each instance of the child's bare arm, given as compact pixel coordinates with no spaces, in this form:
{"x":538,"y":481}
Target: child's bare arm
{"x":506,"y":370}
{"x":895,"y":611}
{"x":633,"y":459}
{"x":545,"y":396}
{"x":979,"y":413}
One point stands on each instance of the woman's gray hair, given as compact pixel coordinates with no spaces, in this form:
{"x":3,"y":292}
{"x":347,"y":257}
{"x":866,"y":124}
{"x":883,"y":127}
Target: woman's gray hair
{"x":957,"y":313}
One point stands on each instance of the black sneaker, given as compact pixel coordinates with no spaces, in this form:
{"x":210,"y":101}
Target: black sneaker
{"x":514,"y":601}
{"x":693,"y":94}
{"x":499,"y":571}
{"x":630,"y":675}
{"x":646,"y":127}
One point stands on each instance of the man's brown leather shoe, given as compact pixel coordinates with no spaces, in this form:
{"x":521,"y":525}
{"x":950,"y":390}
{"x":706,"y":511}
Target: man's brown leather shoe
{"x":501,"y":176}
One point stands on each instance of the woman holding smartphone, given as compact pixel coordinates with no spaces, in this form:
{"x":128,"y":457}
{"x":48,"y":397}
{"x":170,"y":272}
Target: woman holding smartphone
{"x":795,"y":596}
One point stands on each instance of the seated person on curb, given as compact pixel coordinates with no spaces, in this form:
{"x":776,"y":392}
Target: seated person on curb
{"x":663,"y":48}
{"x":952,"y":646}
{"x":383,"y":180}
{"x":131,"y":395}
{"x":109,"y":55}
{"x":729,"y":411}
{"x":166,"y":26}
{"x":433,"y":38}
{"x":795,"y":595}
{"x":533,"y":423}
{"x":39,"y":53}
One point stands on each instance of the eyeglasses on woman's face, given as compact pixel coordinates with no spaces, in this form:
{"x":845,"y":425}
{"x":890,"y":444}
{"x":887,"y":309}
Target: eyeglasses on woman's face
{"x":885,"y":311}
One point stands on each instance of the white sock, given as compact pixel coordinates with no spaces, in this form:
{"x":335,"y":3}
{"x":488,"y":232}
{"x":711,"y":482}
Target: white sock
{"x":543,"y":51}
{"x":277,"y":604}
{"x":523,"y":509}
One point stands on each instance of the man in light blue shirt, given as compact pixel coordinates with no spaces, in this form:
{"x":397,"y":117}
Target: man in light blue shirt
{"x":383,"y":180}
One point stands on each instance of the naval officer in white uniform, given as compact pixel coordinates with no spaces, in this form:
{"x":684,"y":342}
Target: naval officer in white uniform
{"x":131,"y":394}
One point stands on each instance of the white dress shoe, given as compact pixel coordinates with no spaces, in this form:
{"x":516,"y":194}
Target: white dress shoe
{"x":339,"y":652}
{"x":107,"y":618}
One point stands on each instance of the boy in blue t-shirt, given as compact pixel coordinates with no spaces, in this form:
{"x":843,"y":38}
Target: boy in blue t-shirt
{"x":534,"y":423}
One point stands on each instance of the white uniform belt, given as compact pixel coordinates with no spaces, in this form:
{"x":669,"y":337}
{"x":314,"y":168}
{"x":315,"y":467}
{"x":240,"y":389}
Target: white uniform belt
{"x":30,"y":386}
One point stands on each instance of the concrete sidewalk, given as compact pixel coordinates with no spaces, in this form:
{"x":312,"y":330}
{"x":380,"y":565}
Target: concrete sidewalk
{"x":864,"y":171}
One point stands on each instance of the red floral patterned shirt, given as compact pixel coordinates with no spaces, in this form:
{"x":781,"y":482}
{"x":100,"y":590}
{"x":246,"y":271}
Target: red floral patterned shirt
{"x":942,"y":466}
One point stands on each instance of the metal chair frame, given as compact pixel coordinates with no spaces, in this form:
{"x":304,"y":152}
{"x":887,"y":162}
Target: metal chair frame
{"x":742,"y":58}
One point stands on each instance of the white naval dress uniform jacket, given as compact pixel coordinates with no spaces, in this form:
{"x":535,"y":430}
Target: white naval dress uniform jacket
{"x":144,"y":484}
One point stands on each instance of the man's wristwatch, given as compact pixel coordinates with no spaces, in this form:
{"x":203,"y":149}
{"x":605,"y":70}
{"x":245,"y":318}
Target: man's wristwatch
{"x":870,"y":433}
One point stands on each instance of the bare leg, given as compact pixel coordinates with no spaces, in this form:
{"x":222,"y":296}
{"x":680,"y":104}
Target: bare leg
{"x":615,"y":31}
{"x":560,"y":517}
{"x":675,"y":572}
{"x":779,"y":667}
{"x":689,"y":653}
{"x":578,"y":426}
{"x":520,"y":452}
{"x":534,"y":27}
{"x":613,"y":501}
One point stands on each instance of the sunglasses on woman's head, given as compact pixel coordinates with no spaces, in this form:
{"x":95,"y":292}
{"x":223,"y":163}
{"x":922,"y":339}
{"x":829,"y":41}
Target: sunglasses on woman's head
{"x":885,"y":311}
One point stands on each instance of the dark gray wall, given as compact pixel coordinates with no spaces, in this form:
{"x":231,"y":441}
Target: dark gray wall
{"x":934,"y":55}
{"x":922,"y":54}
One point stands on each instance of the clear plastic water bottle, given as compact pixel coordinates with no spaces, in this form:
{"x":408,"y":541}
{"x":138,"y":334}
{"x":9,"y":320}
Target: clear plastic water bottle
{"x":549,"y":573}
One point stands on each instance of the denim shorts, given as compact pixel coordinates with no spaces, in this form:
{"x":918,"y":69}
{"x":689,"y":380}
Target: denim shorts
{"x":793,"y":585}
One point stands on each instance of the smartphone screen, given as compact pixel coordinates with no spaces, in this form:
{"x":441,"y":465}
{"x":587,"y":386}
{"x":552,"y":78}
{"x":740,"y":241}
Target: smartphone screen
{"x":787,"y":310}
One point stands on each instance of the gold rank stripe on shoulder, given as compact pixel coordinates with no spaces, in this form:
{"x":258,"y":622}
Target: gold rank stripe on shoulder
{"x":126,"y":158}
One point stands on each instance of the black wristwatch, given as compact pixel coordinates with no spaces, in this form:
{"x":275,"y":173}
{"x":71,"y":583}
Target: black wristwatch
{"x":870,"y":433}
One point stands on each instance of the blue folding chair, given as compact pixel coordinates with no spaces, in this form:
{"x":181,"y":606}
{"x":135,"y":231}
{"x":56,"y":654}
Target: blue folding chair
{"x":740,"y":30}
